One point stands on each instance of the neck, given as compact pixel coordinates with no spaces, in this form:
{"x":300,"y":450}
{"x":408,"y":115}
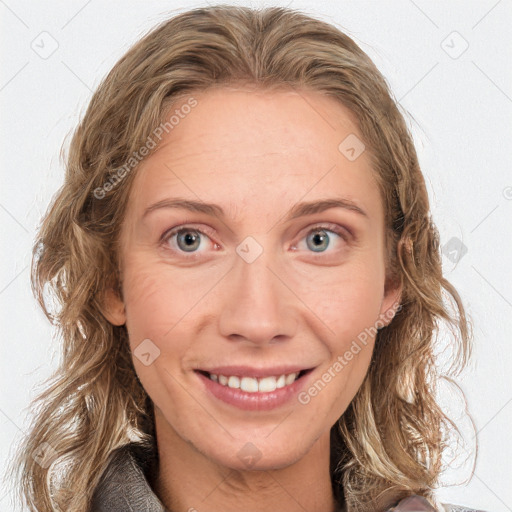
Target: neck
{"x":188,"y":480}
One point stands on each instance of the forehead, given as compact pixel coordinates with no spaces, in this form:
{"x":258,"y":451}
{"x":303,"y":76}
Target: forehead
{"x":257,"y":151}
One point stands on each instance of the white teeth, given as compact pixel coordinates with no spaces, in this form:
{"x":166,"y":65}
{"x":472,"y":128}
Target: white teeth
{"x":234,"y":382}
{"x":290,"y":378}
{"x":253,"y":385}
{"x":267,"y":384}
{"x":249,"y":384}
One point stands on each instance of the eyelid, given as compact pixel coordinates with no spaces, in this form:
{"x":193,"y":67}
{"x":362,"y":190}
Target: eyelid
{"x":193,"y":227}
{"x":205,"y":230}
{"x":343,"y":232}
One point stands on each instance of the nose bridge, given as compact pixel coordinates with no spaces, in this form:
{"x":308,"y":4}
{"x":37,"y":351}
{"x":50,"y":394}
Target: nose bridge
{"x":257,"y":277}
{"x":257,"y":305}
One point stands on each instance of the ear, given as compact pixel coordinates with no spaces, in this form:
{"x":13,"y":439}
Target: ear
{"x":390,"y":301}
{"x":113,"y":307}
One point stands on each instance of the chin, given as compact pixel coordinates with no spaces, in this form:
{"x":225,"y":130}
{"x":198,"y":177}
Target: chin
{"x":251,"y":458}
{"x":258,"y":454}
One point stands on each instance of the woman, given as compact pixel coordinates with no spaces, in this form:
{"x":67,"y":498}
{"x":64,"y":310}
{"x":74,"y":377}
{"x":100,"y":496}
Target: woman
{"x":249,"y":283}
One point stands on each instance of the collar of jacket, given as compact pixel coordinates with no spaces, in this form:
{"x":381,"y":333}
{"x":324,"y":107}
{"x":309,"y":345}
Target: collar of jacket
{"x":124,"y":486}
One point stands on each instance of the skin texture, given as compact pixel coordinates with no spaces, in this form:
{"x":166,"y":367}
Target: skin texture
{"x":256,"y":154}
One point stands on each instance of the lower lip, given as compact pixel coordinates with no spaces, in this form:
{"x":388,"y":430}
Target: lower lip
{"x":254,"y":401}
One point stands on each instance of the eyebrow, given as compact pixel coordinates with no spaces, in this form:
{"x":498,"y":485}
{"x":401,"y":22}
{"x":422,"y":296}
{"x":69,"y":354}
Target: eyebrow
{"x":298,"y":210}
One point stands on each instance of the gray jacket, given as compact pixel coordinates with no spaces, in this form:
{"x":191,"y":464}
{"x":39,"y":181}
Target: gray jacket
{"x":124,"y":486}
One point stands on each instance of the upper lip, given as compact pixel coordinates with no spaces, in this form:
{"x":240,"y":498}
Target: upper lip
{"x":250,"y":371}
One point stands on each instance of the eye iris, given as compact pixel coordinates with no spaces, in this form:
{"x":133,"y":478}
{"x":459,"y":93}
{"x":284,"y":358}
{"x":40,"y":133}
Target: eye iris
{"x":188,"y":237}
{"x":192,"y":237}
{"x":318,"y":236}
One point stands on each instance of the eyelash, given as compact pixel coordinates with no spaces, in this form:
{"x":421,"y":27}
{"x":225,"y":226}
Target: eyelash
{"x":332,"y":228}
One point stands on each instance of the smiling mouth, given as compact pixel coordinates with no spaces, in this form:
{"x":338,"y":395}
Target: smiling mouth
{"x":256,"y":385}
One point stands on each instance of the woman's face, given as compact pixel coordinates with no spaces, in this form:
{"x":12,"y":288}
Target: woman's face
{"x":256,"y":285}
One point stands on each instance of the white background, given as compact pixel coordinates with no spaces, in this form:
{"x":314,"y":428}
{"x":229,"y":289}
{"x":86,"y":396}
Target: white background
{"x":459,"y":106}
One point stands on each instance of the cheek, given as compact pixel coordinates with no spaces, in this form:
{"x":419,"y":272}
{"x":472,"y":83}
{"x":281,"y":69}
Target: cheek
{"x":161,"y":306}
{"x":158,"y":298}
{"x":155,"y":312}
{"x":347,"y":300}
{"x":145,"y":299}
{"x":349,"y":305}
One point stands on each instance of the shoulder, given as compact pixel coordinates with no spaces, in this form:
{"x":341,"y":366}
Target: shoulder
{"x":450,"y":507}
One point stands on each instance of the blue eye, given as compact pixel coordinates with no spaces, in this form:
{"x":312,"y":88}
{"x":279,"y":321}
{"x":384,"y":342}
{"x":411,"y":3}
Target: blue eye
{"x":188,"y":239}
{"x":318,"y":239}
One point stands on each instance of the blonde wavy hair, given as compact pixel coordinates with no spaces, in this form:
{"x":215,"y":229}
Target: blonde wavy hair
{"x":389,"y":442}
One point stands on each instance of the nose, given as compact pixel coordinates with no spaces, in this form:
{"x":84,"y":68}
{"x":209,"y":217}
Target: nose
{"x":258,"y":305}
